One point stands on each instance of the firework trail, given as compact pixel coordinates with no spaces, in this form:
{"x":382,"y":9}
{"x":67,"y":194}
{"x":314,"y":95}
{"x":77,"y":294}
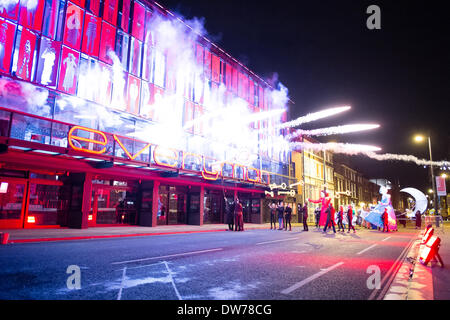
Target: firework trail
{"x":334,"y":130}
{"x":314,"y":116}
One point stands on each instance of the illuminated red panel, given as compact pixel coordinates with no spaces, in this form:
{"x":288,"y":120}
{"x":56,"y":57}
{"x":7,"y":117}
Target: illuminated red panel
{"x":251,"y":89}
{"x":108,"y":37}
{"x":94,"y":7}
{"x":72,"y":28}
{"x":244,"y":87}
{"x":50,"y":24}
{"x":138,"y":21}
{"x":26,"y":54}
{"x":199,"y":55}
{"x":48,"y":61}
{"x":110,"y":11}
{"x":215,"y":68}
{"x":235,"y":81}
{"x":261,"y":98}
{"x":125,"y":15}
{"x":207,"y":64}
{"x":31,"y":13}
{"x":7,"y":33}
{"x":10,"y":11}
{"x":91,"y":38}
{"x":133,"y":96}
{"x":229,"y":72}
{"x":68,"y":70}
{"x":79,"y":2}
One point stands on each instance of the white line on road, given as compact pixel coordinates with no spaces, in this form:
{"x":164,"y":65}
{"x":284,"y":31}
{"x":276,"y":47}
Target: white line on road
{"x":311,"y":278}
{"x":386,"y":239}
{"x":169,"y":256}
{"x":367,"y":249}
{"x":122,"y":283}
{"x":273,"y":241}
{"x":171,"y":280}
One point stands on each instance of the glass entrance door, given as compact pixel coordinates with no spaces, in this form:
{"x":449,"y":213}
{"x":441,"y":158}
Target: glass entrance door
{"x":172,"y":206}
{"x":112,"y":205}
{"x":12,"y":200}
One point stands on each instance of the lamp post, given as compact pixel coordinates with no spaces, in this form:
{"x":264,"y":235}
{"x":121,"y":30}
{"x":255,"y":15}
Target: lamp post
{"x":419,"y":139}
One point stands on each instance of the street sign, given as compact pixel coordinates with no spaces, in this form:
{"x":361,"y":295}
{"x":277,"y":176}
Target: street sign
{"x":440,"y":186}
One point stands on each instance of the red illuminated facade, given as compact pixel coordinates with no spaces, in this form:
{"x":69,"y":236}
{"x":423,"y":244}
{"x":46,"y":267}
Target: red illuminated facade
{"x":61,"y":166}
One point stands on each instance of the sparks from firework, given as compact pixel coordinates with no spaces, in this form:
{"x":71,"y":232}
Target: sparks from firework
{"x":314,"y":116}
{"x":350,"y":128}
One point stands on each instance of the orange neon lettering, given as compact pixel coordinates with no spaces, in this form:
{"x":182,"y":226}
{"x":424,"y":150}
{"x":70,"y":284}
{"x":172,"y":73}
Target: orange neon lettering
{"x":71,"y":137}
{"x":205,"y":172}
{"x":174,"y":156}
{"x":188,"y":154}
{"x":257,"y":174}
{"x":126,"y":151}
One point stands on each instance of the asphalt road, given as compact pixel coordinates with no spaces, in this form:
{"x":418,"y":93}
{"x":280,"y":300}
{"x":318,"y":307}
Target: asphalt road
{"x":249,"y":265}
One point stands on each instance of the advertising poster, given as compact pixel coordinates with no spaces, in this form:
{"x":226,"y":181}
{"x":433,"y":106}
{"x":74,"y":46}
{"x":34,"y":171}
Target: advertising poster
{"x":10,"y":9}
{"x":107,"y":40}
{"x":138,"y":21}
{"x":125,"y":15}
{"x":91,"y":39}
{"x":110,"y":11}
{"x":68,"y":70}
{"x":50,"y":24}
{"x":134,"y":88}
{"x":72,"y":28}
{"x":31,"y":13}
{"x":48,"y":58}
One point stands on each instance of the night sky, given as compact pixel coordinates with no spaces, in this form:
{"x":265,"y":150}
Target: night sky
{"x":324,"y":54}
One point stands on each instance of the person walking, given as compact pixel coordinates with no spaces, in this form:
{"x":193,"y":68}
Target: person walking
{"x":287,"y":217}
{"x":340,"y":217}
{"x":385,"y":220}
{"x":273,"y":212}
{"x":418,"y":220}
{"x":229,"y":209}
{"x":305,"y":217}
{"x":317,"y":216}
{"x":350,"y":219}
{"x":238,"y":211}
{"x":330,"y":221}
{"x":280,"y":210}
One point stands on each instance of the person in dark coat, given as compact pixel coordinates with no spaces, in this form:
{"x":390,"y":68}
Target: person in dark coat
{"x":305,"y":217}
{"x":340,"y":217}
{"x":350,"y":219}
{"x":273,"y":215}
{"x":330,"y":218}
{"x":239,"y":216}
{"x":280,"y":211}
{"x":287,"y":217}
{"x":229,"y":209}
{"x":317,"y":216}
{"x":418,"y":220}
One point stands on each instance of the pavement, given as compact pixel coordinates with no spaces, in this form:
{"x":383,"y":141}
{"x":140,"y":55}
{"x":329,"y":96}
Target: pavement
{"x":415,"y":281}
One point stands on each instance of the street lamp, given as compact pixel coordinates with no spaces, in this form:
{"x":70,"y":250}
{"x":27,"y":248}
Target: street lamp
{"x":419,"y":139}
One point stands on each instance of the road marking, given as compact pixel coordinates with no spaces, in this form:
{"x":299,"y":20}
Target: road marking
{"x":367,"y":249}
{"x":311,"y":278}
{"x":386,"y":239}
{"x":273,"y":241}
{"x":168,"y":256}
{"x":171,"y":280}
{"x":122,"y":283}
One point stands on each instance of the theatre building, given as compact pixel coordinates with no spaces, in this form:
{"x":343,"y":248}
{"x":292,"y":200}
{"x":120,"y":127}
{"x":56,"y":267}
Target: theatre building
{"x":116,"y":112}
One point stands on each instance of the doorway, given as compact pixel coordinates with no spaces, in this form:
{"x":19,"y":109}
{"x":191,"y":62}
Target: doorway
{"x":172,"y":205}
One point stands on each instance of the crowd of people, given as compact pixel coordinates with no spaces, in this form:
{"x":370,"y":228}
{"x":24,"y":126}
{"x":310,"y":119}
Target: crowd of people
{"x":281,"y":213}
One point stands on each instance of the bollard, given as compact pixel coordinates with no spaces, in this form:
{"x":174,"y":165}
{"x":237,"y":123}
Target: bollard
{"x":4,"y":237}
